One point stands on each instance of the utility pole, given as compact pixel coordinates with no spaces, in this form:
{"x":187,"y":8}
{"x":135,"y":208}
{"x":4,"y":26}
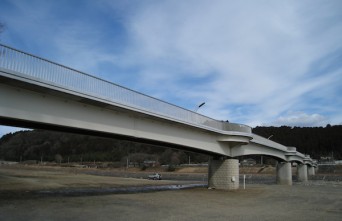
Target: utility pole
{"x":127,"y":162}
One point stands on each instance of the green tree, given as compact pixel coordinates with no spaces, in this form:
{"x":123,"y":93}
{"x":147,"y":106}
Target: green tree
{"x":58,"y":158}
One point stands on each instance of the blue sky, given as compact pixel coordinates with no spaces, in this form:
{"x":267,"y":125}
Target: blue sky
{"x":258,"y":62}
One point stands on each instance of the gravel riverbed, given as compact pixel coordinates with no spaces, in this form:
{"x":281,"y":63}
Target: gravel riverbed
{"x":21,"y":198}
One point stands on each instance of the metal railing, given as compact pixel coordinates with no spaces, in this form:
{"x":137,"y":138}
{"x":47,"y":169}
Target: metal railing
{"x":45,"y":71}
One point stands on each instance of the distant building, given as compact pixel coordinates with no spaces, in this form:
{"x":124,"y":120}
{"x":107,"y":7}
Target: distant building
{"x":248,"y":162}
{"x":326,"y":160}
{"x":151,"y":163}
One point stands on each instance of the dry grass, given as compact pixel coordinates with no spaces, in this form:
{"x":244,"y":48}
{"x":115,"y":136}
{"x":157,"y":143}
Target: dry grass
{"x":29,"y":179}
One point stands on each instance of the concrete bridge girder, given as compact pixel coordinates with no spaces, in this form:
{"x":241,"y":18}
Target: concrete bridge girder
{"x":51,"y":110}
{"x":58,"y":111}
{"x":294,"y":158}
{"x":228,"y":143}
{"x":257,"y":149}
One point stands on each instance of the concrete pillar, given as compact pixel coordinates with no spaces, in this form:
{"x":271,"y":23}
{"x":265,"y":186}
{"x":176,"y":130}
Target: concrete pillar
{"x":311,"y":171}
{"x":302,"y":172}
{"x":284,"y":173}
{"x":223,"y":174}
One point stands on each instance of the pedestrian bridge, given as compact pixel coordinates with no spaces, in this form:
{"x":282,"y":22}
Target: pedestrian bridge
{"x":37,"y":93}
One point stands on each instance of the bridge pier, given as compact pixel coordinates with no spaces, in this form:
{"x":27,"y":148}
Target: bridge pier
{"x":311,"y":171}
{"x":223,"y":174}
{"x":302,"y":172}
{"x":284,"y":173}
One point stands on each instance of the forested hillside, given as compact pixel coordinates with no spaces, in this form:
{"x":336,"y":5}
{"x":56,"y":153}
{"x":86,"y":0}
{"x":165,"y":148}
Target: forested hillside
{"x":42,"y":145}
{"x":57,"y":146}
{"x":316,"y":141}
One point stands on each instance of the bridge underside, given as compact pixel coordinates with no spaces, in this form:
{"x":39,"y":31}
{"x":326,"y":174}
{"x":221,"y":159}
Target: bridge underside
{"x":256,"y":149}
{"x":32,"y":109}
{"x":35,"y":125}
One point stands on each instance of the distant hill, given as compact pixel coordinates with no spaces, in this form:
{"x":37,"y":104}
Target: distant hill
{"x":316,"y":141}
{"x":57,"y":146}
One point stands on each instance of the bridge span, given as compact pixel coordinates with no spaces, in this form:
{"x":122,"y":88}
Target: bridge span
{"x":37,"y":93}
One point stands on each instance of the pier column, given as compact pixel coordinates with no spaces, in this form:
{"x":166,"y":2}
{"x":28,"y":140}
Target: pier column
{"x":223,"y":174}
{"x":302,"y":172}
{"x":311,"y":171}
{"x":284,"y":173}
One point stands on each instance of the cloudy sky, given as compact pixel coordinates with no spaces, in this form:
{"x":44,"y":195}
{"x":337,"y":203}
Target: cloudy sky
{"x":258,"y":62}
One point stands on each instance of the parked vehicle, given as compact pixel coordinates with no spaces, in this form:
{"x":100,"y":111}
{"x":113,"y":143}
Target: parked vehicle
{"x":155,"y":176}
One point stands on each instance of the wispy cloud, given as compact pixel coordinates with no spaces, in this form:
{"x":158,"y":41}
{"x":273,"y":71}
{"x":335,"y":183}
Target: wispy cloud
{"x":300,"y":119}
{"x":257,"y":54}
{"x":252,"y":62}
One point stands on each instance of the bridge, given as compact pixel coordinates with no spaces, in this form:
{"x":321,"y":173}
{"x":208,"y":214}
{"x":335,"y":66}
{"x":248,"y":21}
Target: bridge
{"x":38,"y":93}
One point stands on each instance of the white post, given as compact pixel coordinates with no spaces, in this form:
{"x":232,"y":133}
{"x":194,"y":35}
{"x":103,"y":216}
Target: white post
{"x":244,"y":181}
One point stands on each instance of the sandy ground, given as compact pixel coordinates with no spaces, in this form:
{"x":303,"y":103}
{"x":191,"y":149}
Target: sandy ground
{"x":314,"y":200}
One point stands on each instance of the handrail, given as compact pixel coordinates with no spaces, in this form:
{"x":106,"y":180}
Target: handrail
{"x":48,"y":72}
{"x":267,"y":142}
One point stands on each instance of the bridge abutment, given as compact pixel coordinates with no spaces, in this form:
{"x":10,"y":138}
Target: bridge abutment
{"x":302,"y":172}
{"x":284,"y":173}
{"x":223,"y":174}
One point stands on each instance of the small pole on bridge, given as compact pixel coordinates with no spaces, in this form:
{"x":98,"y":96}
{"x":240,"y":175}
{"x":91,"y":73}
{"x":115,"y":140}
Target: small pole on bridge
{"x":127,"y":163}
{"x":199,"y":106}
